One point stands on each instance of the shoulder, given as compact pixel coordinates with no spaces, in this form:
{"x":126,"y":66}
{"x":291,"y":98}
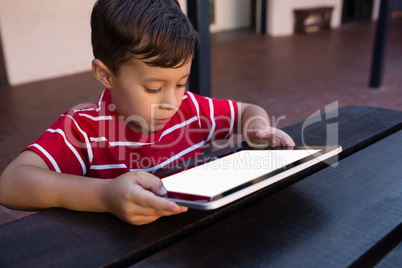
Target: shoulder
{"x":91,"y":113}
{"x":196,"y":101}
{"x":201,"y":103}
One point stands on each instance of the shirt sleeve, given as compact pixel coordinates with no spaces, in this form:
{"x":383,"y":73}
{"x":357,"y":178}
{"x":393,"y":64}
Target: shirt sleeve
{"x":64,"y":147}
{"x":218,"y":117}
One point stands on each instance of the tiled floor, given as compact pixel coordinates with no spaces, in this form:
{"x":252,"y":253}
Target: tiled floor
{"x":291,"y":77}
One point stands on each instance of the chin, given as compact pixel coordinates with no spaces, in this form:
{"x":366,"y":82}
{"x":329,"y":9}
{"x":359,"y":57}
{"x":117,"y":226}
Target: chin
{"x":152,"y":130}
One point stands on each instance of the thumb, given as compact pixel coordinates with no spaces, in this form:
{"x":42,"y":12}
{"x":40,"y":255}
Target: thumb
{"x":150,"y":183}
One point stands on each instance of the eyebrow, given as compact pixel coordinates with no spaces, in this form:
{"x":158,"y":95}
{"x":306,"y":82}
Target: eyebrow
{"x":151,"y":79}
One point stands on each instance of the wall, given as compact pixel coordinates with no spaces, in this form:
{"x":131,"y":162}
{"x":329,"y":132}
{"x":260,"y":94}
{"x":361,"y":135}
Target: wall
{"x":376,"y":9}
{"x":183,"y":5}
{"x":280,"y":18}
{"x":231,"y":14}
{"x":46,"y":39}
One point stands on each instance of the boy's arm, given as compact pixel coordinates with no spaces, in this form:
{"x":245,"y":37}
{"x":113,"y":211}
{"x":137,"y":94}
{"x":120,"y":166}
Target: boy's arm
{"x":28,"y":184}
{"x":255,"y":126}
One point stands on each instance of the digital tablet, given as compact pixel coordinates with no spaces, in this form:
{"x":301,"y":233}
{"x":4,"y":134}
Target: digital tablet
{"x":218,"y":182}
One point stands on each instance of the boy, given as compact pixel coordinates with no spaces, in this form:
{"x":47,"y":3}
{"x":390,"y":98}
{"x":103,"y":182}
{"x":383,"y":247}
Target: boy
{"x":98,"y":158}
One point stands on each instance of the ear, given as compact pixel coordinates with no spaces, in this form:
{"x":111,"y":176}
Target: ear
{"x":102,"y":73}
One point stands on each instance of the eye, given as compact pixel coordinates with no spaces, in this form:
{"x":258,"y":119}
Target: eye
{"x":152,"y":91}
{"x":181,"y":86}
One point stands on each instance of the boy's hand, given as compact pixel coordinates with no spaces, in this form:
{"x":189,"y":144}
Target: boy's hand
{"x":255,"y":127}
{"x":135,"y":197}
{"x":260,"y":137}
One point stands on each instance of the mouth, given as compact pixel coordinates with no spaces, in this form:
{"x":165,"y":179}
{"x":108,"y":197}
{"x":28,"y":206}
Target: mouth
{"x":162,"y":121}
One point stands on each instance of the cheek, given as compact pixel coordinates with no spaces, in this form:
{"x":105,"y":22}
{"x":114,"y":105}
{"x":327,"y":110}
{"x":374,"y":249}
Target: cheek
{"x":144,"y":106}
{"x":129,"y":103}
{"x":181,"y":94}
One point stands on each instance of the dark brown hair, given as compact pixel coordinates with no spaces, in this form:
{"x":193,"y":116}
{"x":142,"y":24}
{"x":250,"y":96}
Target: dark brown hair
{"x":155,"y":31}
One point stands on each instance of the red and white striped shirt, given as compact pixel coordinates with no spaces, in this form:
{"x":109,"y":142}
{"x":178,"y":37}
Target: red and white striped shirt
{"x":96,"y":141}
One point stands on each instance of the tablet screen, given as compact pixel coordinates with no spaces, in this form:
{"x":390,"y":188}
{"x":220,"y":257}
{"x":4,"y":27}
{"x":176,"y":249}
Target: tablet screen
{"x":219,"y":182}
{"x":216,"y":177}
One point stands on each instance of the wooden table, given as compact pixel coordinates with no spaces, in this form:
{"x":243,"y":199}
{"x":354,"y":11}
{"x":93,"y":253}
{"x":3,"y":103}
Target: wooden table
{"x":350,"y":215}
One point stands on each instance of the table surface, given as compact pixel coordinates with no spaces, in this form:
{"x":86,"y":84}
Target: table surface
{"x":348,"y":215}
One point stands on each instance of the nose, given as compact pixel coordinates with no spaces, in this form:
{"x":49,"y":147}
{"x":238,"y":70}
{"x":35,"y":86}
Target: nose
{"x":170,"y":100}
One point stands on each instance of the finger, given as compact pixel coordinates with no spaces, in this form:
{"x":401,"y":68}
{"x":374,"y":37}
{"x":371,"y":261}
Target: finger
{"x":150,"y":182}
{"x":261,"y":138}
{"x":274,"y":141}
{"x":289,"y":142}
{"x":165,"y":207}
{"x":149,"y":211}
{"x":259,"y":143}
{"x":141,"y":219}
{"x":285,"y":139}
{"x":147,"y":199}
{"x":264,"y":133}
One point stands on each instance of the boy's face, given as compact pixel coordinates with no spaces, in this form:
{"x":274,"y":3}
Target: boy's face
{"x":148,"y":96}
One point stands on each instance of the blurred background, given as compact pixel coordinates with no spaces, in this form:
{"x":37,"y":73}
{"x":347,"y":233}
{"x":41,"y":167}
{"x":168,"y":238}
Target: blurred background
{"x":44,"y":39}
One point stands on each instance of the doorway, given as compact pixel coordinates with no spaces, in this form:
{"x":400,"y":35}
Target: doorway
{"x":357,"y":10}
{"x":3,"y":73}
